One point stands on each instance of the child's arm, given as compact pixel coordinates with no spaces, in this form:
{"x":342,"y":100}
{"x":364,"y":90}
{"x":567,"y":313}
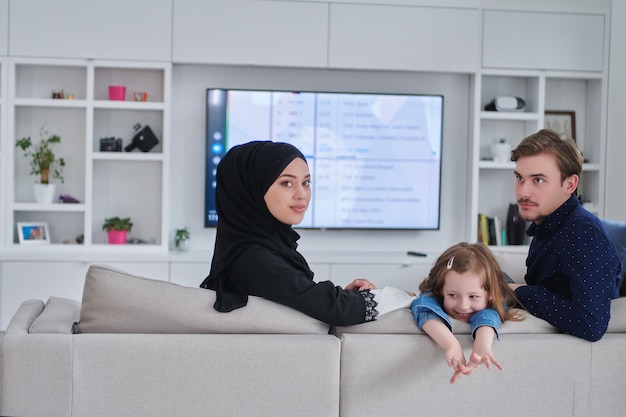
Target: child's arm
{"x":442,"y":335}
{"x":484,"y":324}
{"x":481,"y":354}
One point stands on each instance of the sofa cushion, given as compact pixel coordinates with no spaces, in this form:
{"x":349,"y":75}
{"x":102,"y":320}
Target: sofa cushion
{"x":402,"y":322}
{"x":115,"y":301}
{"x":617,"y":324}
{"x":512,"y":260}
{"x":24,"y":317}
{"x":617,"y":232}
{"x":58,"y":316}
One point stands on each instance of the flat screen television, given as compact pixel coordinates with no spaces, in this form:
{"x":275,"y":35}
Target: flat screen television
{"x":375,"y":159}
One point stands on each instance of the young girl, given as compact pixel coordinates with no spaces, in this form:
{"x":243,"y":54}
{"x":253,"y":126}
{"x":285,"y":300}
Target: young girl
{"x":467,"y":284}
{"x":263,"y":188}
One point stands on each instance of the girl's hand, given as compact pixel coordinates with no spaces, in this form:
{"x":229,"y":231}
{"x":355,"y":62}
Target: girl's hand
{"x":481,"y":354}
{"x":361,"y":284}
{"x":456,"y":360}
{"x":476,"y":360}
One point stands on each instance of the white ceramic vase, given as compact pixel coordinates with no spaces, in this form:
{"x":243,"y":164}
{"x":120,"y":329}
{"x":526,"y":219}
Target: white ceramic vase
{"x":501,"y":151}
{"x":183,"y":246}
{"x":44,"y":193}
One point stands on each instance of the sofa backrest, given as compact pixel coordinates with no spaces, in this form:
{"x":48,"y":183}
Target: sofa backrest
{"x":115,"y":301}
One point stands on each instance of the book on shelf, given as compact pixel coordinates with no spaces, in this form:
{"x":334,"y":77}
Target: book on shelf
{"x":490,"y":230}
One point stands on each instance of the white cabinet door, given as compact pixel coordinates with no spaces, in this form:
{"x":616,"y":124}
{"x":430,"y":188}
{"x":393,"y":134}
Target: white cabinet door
{"x":39,"y":280}
{"x":406,"y":277}
{"x":404,"y":38}
{"x":540,"y":40}
{"x":4,"y":27}
{"x":22,"y":280}
{"x":112,"y":29}
{"x":250,"y":32}
{"x":191,"y":274}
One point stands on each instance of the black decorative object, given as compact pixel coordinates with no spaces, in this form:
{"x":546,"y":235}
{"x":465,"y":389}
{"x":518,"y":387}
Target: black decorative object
{"x":110,"y":144}
{"x":144,"y":139}
{"x":515,"y":226}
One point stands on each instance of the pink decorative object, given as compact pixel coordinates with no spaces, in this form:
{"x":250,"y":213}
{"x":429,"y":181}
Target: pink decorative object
{"x":117,"y":237}
{"x":117,"y":92}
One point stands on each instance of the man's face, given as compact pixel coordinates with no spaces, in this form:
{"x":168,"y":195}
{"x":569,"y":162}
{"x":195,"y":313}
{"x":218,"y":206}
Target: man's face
{"x":538,"y":187}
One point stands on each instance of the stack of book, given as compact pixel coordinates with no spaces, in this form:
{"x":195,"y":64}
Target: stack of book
{"x":490,"y":230}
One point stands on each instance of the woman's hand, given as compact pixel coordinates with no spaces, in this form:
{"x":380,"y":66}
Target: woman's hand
{"x":361,"y":284}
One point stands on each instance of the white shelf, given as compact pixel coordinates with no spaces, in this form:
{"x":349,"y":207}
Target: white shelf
{"x":49,"y":207}
{"x":127,"y":156}
{"x":494,"y":115}
{"x":48,"y":102}
{"x":581,"y":92}
{"x":128,"y":105}
{"x":486,"y":164}
{"x":125,"y":184}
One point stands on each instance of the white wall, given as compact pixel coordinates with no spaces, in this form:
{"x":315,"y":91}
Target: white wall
{"x":615,"y":205}
{"x":188,"y":135}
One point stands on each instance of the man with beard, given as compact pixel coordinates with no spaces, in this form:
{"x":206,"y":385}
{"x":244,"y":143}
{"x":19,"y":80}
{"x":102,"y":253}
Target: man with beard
{"x":573,"y":270}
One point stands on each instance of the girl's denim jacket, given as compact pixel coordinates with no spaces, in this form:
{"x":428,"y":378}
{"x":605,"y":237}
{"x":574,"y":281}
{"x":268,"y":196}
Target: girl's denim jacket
{"x":426,"y":307}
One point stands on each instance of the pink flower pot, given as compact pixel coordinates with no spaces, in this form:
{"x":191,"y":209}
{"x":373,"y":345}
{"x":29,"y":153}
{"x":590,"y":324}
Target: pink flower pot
{"x":117,"y":92}
{"x":117,"y":237}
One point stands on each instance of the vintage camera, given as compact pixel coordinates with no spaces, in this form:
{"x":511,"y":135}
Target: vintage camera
{"x":110,"y":144}
{"x":144,"y":139}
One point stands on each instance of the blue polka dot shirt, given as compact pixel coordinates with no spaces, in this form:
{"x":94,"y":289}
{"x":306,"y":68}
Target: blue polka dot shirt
{"x":573,"y":272}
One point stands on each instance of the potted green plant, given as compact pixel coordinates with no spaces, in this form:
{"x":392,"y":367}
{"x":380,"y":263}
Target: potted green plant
{"x":181,"y":239}
{"x":117,"y":229}
{"x":44,"y":163}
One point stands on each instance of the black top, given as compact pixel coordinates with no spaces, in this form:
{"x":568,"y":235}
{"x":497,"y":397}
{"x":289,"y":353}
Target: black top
{"x":255,"y":254}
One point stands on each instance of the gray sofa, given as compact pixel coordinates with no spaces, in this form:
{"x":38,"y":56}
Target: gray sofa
{"x":150,"y":348}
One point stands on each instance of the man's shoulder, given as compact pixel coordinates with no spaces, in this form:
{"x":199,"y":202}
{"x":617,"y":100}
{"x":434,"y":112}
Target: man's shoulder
{"x":582,"y":221}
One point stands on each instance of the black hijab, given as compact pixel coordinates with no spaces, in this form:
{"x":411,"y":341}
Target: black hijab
{"x":243,"y":177}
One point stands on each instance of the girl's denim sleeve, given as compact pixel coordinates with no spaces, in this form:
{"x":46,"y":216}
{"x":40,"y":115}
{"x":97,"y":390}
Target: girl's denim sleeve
{"x":426,"y":307}
{"x":487,"y":317}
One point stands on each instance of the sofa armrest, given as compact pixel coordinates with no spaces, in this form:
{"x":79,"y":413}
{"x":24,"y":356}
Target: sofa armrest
{"x":58,"y":316}
{"x":24,"y":317}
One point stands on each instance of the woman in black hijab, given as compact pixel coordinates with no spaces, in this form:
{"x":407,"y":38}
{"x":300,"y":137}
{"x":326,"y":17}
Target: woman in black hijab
{"x":255,"y":252}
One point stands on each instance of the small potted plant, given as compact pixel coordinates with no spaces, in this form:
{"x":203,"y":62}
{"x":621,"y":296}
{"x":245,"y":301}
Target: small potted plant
{"x":181,"y":239}
{"x":117,"y":229}
{"x":43,"y":162}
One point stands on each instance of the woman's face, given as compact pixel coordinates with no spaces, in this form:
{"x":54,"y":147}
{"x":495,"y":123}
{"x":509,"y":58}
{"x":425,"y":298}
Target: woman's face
{"x":289,"y":196}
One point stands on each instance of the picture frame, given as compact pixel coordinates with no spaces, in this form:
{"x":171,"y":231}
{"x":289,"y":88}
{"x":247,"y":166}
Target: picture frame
{"x":561,"y":121}
{"x":33,"y":233}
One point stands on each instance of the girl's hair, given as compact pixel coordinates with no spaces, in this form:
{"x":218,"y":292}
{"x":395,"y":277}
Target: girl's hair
{"x":474,"y":257}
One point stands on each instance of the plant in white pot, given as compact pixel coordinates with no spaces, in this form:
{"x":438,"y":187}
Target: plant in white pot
{"x":181,"y":239}
{"x":44,"y":163}
{"x":117,"y":229}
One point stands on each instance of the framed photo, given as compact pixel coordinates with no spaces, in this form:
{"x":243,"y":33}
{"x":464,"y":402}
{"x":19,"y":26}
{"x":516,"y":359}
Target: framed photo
{"x":563,"y":122}
{"x":33,"y":233}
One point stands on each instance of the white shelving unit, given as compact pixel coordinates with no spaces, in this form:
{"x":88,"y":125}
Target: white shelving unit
{"x":3,"y":163}
{"x":125,"y":184}
{"x":581,"y":92}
